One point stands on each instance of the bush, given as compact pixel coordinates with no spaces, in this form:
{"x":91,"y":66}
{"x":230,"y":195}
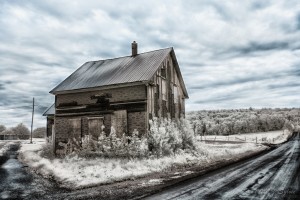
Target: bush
{"x":165,"y":137}
{"x":47,"y":151}
{"x":112,"y":146}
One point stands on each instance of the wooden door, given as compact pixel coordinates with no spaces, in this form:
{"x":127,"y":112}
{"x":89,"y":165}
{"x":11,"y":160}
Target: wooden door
{"x":95,"y":129}
{"x":75,"y":130}
{"x":119,"y":122}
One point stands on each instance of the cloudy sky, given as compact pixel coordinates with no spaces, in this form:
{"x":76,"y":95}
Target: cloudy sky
{"x":233,"y":54}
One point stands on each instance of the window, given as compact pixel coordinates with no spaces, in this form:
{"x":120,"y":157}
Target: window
{"x":175,"y":94}
{"x":163,"y":72}
{"x":164,"y":90}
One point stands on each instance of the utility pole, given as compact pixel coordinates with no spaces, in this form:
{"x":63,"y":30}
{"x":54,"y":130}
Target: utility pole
{"x":32,"y":120}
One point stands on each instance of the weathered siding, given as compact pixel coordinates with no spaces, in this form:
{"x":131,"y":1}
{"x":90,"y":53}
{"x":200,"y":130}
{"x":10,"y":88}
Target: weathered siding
{"x":118,"y":94}
{"x":166,"y":101}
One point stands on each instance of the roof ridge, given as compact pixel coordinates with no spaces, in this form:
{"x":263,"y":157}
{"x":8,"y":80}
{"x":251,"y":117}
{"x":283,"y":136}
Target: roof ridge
{"x":113,"y":71}
{"x":129,"y":55}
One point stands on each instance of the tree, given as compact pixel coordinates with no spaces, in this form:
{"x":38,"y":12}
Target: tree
{"x":39,"y":132}
{"x":7,"y":132}
{"x":2,"y":128}
{"x":21,"y":131}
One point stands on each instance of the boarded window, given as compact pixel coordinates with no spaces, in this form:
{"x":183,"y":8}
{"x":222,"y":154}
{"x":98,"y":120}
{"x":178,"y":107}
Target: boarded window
{"x":75,"y":128}
{"x":119,"y":122}
{"x":75,"y":132}
{"x":95,"y":125}
{"x":175,"y":94}
{"x":163,"y":72}
{"x":164,"y":90}
{"x":156,"y":104}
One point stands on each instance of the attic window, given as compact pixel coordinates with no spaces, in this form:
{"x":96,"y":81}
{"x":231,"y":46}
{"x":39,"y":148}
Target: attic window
{"x":163,"y":71}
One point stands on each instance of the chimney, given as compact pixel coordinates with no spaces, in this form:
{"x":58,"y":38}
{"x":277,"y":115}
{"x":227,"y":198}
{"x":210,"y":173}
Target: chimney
{"x":134,"y":49}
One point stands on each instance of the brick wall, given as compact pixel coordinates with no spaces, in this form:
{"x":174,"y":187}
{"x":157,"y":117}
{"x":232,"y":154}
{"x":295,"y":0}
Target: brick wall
{"x":118,"y":94}
{"x":136,"y":120}
{"x":50,"y":122}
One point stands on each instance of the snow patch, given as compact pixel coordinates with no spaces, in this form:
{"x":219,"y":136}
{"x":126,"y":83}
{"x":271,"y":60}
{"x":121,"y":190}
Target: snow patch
{"x":77,"y":172}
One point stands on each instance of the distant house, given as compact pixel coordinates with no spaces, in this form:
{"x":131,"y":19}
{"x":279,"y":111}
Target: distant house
{"x":120,"y":93}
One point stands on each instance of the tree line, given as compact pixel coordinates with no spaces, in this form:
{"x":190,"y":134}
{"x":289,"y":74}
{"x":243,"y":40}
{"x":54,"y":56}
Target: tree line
{"x":239,"y":121}
{"x":22,"y":131}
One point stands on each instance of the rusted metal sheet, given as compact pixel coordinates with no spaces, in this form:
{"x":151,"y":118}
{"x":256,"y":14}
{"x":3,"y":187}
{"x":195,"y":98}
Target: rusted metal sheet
{"x":127,"y":69}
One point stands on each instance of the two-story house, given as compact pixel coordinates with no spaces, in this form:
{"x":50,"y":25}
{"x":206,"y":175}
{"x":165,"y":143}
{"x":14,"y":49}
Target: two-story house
{"x":120,"y":93}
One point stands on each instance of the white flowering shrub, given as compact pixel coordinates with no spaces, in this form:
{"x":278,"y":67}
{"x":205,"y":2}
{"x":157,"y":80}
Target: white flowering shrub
{"x":168,"y":136}
{"x":165,"y":137}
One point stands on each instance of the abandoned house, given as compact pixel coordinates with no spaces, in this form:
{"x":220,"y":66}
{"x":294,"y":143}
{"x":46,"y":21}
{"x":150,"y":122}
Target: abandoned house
{"x":123,"y":93}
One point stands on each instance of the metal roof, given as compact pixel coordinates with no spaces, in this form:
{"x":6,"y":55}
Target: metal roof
{"x":121,"y":70}
{"x":49,"y":111}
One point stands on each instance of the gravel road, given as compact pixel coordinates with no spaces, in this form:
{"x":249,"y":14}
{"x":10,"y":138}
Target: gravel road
{"x":275,"y":175}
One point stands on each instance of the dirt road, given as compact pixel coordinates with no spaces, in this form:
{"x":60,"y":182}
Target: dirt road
{"x":17,"y":183}
{"x":275,"y":175}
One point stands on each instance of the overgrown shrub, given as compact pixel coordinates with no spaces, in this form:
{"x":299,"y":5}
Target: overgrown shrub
{"x":165,"y":137}
{"x":112,"y":146}
{"x":47,"y":151}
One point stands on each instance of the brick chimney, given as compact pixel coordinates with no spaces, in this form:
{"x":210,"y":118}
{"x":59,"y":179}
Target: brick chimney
{"x":134,"y":48}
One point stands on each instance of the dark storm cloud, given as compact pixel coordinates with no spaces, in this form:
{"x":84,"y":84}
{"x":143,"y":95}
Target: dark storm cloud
{"x":218,"y":99}
{"x":298,"y":21}
{"x":258,"y":5}
{"x":287,"y":85}
{"x":220,"y":83}
{"x":254,"y":47}
{"x":246,"y":53}
{"x":1,"y":86}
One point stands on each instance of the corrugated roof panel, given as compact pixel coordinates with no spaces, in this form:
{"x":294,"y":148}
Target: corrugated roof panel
{"x":50,"y":110}
{"x":114,"y":71}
